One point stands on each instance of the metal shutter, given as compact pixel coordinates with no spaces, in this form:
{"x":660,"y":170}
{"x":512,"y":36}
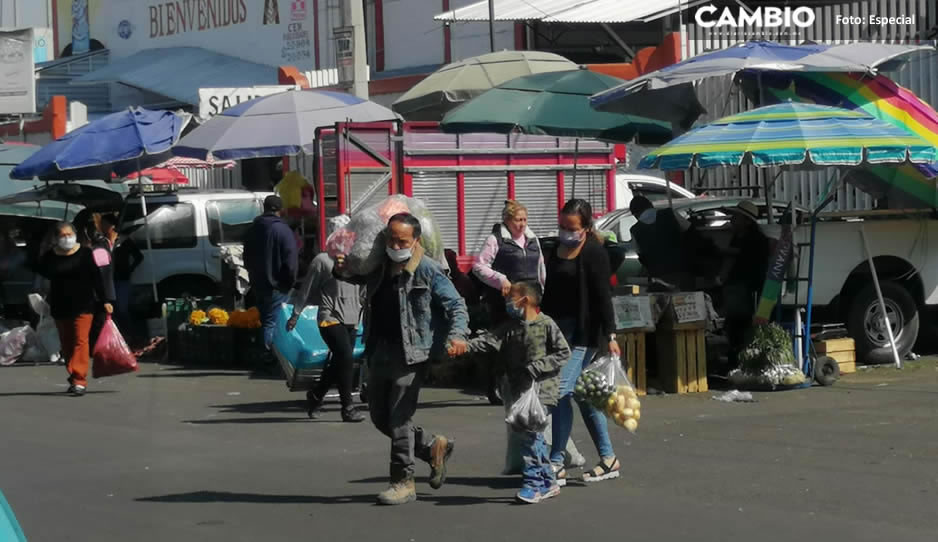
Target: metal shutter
{"x":538,"y":192}
{"x":438,"y":193}
{"x":485,"y":197}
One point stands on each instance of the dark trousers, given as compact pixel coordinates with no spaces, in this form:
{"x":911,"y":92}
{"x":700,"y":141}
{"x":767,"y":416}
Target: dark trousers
{"x":393,"y":391}
{"x":739,"y":302}
{"x":97,"y":324}
{"x":341,"y":370}
{"x":268,"y":304}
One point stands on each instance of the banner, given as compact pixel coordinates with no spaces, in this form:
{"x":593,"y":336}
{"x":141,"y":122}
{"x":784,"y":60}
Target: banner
{"x":213,"y":101}
{"x":18,"y":83}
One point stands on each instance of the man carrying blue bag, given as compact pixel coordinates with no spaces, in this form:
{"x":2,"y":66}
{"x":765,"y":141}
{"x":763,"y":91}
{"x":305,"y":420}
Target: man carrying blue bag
{"x":414,"y":314}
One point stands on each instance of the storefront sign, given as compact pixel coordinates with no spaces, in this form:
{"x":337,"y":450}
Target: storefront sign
{"x":18,"y":84}
{"x":296,"y":44}
{"x":181,"y":16}
{"x":345,"y":54}
{"x":213,"y":101}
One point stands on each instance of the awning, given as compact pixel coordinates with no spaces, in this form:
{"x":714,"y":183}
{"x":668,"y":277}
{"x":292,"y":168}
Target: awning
{"x":570,"y":11}
{"x":179,"y":72}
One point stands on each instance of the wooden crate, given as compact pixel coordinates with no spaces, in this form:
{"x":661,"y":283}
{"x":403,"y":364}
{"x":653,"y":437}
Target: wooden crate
{"x":682,"y":358}
{"x":632,"y":344}
{"x":842,"y":350}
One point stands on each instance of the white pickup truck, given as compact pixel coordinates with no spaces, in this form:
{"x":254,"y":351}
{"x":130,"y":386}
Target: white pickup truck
{"x":843,"y":290}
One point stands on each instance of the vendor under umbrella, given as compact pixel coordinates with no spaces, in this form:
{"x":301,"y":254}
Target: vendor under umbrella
{"x":659,"y":241}
{"x":743,"y":274}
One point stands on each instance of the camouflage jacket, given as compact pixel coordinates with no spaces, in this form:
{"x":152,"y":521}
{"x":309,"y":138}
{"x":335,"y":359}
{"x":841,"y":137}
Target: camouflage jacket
{"x":528,"y":351}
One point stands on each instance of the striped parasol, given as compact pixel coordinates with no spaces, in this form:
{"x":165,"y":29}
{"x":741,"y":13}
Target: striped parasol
{"x":878,"y":96}
{"x":794,"y":135}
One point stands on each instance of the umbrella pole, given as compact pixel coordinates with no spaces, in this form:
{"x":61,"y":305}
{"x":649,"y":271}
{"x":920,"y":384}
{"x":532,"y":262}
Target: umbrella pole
{"x":882,"y":302}
{"x":576,"y":157}
{"x":146,"y":227}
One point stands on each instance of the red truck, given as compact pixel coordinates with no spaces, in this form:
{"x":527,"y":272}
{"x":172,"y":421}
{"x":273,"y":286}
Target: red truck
{"x":463,"y":179}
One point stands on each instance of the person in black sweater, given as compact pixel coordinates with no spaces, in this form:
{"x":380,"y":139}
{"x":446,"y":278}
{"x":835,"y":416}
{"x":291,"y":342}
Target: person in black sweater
{"x":76,"y":286}
{"x":578,"y":296}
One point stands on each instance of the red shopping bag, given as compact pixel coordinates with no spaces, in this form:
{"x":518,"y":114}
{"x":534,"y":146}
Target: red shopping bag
{"x":112,"y":356}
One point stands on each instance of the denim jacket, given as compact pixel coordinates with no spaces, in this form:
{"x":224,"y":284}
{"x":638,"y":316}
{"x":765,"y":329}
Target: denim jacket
{"x":432,"y":311}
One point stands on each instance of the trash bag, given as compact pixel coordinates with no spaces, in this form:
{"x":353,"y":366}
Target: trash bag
{"x":360,"y":240}
{"x":111,"y":354}
{"x":13,"y":344}
{"x":605,"y":385}
{"x":527,"y":413}
{"x":46,"y":330}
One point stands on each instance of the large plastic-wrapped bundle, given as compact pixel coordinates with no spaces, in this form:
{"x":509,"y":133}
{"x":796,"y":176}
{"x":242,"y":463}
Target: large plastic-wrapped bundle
{"x":361,"y":242}
{"x":768,"y":362}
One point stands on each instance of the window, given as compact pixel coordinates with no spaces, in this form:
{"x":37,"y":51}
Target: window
{"x":229,"y":220}
{"x":171,"y":225}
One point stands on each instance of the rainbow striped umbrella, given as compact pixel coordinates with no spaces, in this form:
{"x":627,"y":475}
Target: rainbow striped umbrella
{"x":795,"y":135}
{"x":878,"y":96}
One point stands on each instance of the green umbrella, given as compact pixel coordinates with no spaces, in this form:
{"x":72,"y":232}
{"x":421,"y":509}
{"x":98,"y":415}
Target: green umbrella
{"x":555,"y":104}
{"x":456,"y":83}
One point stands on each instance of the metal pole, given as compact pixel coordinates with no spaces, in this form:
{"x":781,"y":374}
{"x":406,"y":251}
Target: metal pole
{"x":146,"y":226}
{"x":576,"y":157}
{"x":492,"y":25}
{"x":882,"y":302}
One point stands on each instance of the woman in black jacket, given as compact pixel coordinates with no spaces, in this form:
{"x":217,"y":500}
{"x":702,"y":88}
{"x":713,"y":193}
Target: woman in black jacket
{"x":578,"y":297}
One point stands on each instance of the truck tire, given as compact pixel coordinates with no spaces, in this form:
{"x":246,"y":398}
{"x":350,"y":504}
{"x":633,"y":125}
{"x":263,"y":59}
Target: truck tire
{"x":866,"y":326}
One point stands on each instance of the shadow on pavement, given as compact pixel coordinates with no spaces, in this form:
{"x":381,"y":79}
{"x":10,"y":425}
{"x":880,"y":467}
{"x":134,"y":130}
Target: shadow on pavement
{"x":224,"y":421}
{"x":453,"y":403}
{"x":257,"y":498}
{"x":263,"y":408}
{"x":490,"y":482}
{"x":177,"y":373}
{"x":53,"y":393}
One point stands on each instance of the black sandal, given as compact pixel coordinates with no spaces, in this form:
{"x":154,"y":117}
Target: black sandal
{"x":602,"y":472}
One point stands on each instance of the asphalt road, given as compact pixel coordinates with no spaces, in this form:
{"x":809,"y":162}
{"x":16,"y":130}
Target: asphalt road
{"x":206,"y":455}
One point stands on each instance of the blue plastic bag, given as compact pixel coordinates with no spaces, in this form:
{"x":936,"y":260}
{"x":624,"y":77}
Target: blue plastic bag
{"x":303,"y":348}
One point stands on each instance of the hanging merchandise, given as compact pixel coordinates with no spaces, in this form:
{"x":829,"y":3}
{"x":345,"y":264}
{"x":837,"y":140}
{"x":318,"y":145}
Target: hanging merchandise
{"x":362,"y":243}
{"x":290,"y":190}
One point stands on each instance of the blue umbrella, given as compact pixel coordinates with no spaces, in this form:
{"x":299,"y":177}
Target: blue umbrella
{"x":119,"y":143}
{"x":276,"y":125}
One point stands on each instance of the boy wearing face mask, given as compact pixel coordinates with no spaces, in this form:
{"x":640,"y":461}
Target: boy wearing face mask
{"x":531,"y":348}
{"x":414,"y":314}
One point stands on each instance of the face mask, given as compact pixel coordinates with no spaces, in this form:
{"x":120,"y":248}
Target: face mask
{"x":648,"y":216}
{"x":569,"y":238}
{"x":67,"y":242}
{"x":513,"y":310}
{"x":400,"y":255}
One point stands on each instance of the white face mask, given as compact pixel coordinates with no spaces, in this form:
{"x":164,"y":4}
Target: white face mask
{"x":398,"y":255}
{"x":68,"y":242}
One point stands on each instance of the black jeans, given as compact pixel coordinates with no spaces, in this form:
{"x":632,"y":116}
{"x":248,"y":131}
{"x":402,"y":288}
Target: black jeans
{"x":393,"y":391}
{"x":341,"y":369}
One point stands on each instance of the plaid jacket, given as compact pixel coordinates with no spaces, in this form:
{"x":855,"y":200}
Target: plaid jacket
{"x":528,"y":351}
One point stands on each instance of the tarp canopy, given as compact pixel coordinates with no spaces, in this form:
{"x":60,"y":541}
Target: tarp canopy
{"x":569,"y":11}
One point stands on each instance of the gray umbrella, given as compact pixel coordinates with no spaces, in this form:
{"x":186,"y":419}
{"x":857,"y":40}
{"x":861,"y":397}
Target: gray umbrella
{"x":455,"y":83}
{"x":277,"y":125}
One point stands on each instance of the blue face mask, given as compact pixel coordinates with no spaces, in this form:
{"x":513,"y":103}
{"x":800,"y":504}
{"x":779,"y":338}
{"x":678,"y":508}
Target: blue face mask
{"x":513,"y":310}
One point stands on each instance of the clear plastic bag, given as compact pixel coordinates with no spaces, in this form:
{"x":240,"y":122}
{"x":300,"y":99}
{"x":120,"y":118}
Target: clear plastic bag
{"x":112,"y":356}
{"x":605,"y":385}
{"x":527,"y":413}
{"x":48,"y":335}
{"x":359,"y":239}
{"x":13,"y":344}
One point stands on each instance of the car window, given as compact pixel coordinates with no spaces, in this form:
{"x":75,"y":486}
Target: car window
{"x":229,"y":220}
{"x":654,"y":192}
{"x":170,"y":225}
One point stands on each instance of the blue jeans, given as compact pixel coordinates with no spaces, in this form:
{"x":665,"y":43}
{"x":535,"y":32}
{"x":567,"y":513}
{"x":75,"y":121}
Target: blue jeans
{"x":268,"y":304}
{"x":563,"y":413}
{"x":537,"y":473}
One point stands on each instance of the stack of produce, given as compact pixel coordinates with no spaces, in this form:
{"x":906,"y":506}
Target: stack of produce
{"x":617,"y":399}
{"x":360,"y":240}
{"x":249,"y":319}
{"x":218,"y":317}
{"x":768,"y":361}
{"x":197,"y":317}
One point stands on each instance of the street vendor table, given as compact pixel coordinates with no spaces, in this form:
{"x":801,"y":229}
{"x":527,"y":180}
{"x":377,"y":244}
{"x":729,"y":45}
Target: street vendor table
{"x":634,"y":320}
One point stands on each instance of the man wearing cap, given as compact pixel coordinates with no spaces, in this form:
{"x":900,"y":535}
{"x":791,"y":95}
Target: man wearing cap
{"x":743,"y":274}
{"x":271,"y":258}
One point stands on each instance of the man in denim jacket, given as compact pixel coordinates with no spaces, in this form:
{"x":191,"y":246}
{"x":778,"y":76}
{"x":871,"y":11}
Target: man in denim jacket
{"x":414,"y":314}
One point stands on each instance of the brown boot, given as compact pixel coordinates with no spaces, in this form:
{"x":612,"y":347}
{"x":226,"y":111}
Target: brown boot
{"x":440,"y":451}
{"x":401,"y":492}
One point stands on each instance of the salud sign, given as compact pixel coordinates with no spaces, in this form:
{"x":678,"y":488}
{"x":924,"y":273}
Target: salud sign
{"x":213,"y":101}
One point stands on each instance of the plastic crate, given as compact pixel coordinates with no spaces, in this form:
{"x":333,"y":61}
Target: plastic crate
{"x":206,"y":345}
{"x":249,"y":346}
